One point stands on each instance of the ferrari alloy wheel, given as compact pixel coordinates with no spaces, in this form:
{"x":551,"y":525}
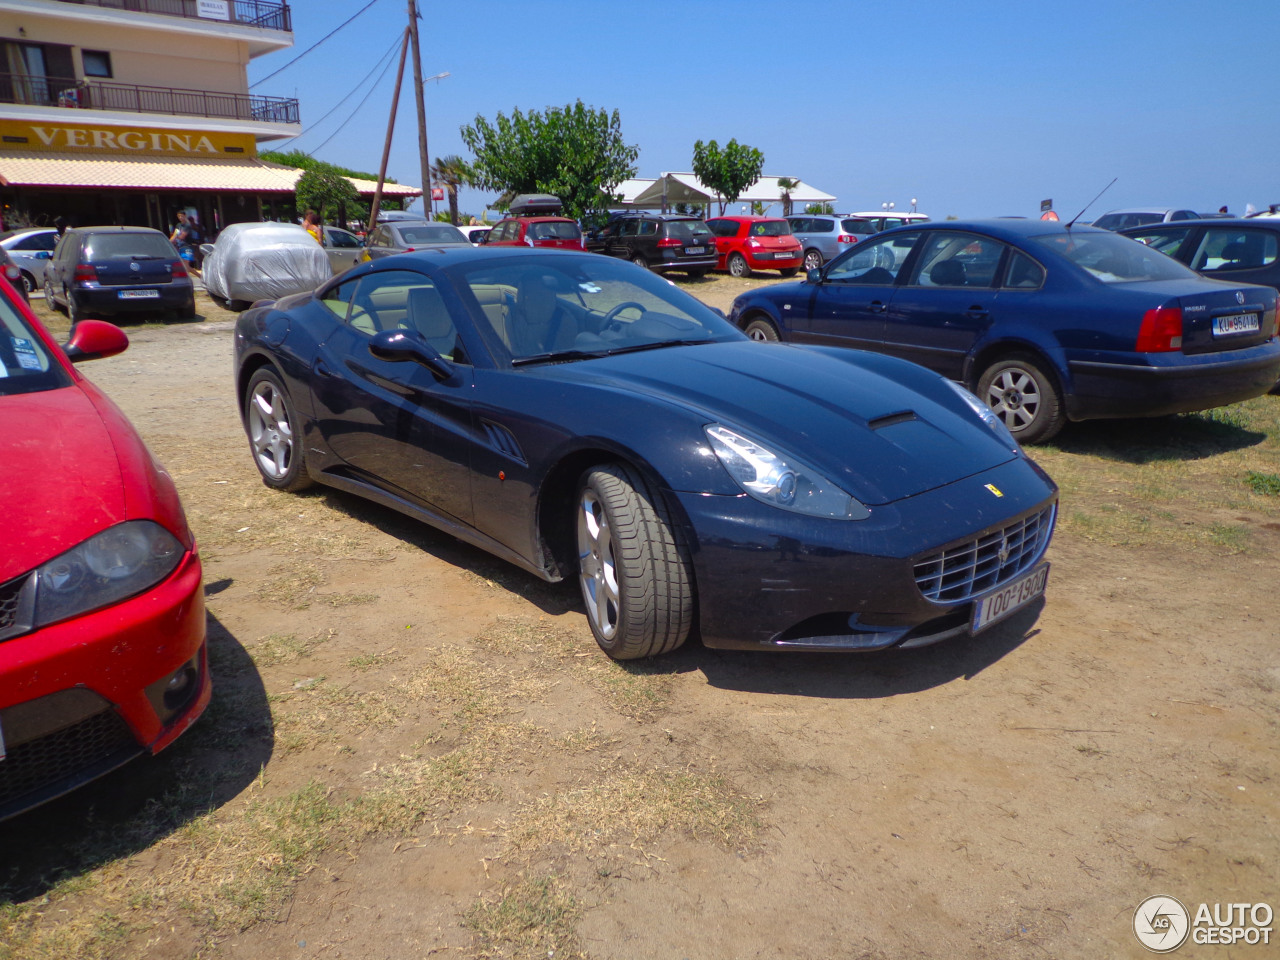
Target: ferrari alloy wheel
{"x":633,"y":565}
{"x":738,"y":266}
{"x":1024,"y":396}
{"x":761,"y":330}
{"x":272,"y":426}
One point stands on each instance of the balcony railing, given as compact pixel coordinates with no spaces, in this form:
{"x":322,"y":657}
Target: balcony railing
{"x":132,"y":98}
{"x":267,"y":14}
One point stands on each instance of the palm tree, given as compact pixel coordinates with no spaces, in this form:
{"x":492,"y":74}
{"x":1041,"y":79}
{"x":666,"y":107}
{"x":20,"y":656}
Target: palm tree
{"x":786,"y":185}
{"x":451,"y":172}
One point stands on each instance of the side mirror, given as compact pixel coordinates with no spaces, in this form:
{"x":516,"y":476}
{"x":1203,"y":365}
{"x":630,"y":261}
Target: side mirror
{"x":206,"y":249}
{"x":400,"y":346}
{"x":94,"y":339}
{"x":813,"y":276}
{"x":44,"y":255}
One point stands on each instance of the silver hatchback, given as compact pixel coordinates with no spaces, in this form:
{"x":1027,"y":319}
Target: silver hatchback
{"x":824,"y":235}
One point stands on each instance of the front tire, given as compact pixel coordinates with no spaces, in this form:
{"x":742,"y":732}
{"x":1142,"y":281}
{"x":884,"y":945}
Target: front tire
{"x":633,"y":565}
{"x":1025,"y":396}
{"x":29,"y":282}
{"x":274,"y":432}
{"x":812,"y":260}
{"x":640,"y":261}
{"x":738,"y":266}
{"x":762,"y":331}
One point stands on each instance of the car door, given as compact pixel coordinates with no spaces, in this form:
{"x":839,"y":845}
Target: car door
{"x":946,"y":302}
{"x":726,"y":231}
{"x":394,"y":424}
{"x":342,"y":247}
{"x":1237,"y":254}
{"x":849,"y":302}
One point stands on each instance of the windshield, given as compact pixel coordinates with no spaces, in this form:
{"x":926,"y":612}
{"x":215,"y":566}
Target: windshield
{"x":129,"y":246}
{"x":1123,"y":221}
{"x":25,"y":363}
{"x":572,"y":307}
{"x":1112,"y":258}
{"x":770,"y":228}
{"x":432,"y":234}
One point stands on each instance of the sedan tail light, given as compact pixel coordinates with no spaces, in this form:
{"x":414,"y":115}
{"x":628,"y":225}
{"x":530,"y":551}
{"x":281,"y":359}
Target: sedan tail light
{"x":847,"y":238}
{"x":85,"y":273}
{"x":670,"y":242}
{"x":1161,"y":331}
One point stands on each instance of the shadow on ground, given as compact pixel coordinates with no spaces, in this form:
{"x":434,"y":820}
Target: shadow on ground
{"x":1187,"y":436}
{"x":151,"y":797}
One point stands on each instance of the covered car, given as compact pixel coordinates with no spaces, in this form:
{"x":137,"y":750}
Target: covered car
{"x":263,"y":261}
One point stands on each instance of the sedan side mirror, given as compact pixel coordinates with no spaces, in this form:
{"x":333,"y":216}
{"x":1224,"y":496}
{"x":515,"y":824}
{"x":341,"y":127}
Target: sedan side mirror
{"x":93,"y":339}
{"x":44,"y":255}
{"x":400,"y":346}
{"x":814,"y":275}
{"x":206,"y":249}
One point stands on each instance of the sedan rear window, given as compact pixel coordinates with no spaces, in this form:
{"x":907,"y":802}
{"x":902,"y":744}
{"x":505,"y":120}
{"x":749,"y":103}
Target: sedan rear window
{"x":555,"y":230}
{"x":432,"y":234}
{"x":129,"y":246}
{"x":770,"y":228}
{"x":1115,"y":259}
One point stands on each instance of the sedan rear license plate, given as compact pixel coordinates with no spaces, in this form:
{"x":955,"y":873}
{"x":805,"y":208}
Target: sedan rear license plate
{"x":998,"y":605}
{"x":139,"y":294}
{"x":695,"y":250}
{"x":1235,"y":323}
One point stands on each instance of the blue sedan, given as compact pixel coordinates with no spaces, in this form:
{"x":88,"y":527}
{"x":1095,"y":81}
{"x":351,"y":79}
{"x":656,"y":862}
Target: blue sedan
{"x":1046,"y":323}
{"x":584,"y":419}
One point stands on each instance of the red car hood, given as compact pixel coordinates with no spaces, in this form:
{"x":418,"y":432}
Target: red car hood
{"x":62,"y":476}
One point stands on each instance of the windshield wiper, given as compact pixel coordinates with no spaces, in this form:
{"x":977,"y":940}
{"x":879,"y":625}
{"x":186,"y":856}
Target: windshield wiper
{"x":557,"y":356}
{"x":637,"y":347}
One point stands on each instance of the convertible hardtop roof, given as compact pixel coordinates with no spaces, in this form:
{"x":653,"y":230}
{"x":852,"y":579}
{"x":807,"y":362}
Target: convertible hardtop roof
{"x":1011,"y":229}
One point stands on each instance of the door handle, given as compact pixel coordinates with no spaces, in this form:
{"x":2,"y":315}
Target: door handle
{"x":877,"y":306}
{"x":977,"y":312}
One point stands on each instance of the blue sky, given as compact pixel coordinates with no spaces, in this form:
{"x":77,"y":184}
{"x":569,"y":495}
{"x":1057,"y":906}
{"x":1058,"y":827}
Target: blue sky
{"x":976,"y":108}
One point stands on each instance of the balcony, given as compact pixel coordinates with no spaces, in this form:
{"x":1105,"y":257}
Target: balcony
{"x":132,"y":98}
{"x":265,"y":14}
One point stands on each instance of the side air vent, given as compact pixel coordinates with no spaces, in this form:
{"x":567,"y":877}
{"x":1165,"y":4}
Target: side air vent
{"x":502,"y":440}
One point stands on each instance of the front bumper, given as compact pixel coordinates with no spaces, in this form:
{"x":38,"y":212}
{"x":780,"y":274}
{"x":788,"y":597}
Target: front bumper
{"x":772,"y":580}
{"x":1171,"y":383}
{"x":84,"y":696}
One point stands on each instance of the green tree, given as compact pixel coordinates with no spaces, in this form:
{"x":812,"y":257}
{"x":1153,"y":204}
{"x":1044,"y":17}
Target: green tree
{"x":451,"y":172}
{"x":819,"y":208}
{"x":330,"y":194}
{"x":729,"y":171}
{"x":786,"y":185}
{"x":576,"y":153}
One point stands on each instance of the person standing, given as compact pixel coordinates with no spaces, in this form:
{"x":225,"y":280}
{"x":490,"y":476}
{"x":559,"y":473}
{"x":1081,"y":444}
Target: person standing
{"x":312,"y":223}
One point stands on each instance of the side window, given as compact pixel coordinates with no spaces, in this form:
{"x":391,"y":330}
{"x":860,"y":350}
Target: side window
{"x":648,"y":228}
{"x":1235,"y":250}
{"x":404,"y":300}
{"x":1168,"y":242}
{"x":799,"y":224}
{"x":338,"y":299}
{"x":1023,"y":273}
{"x":874,"y":263}
{"x":340,"y":238}
{"x":819,"y":225}
{"x":629,"y":228}
{"x":954,"y":259}
{"x":723,"y":228}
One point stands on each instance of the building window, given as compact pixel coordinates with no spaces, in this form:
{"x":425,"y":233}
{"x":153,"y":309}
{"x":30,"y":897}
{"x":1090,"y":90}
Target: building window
{"x":97,"y":63}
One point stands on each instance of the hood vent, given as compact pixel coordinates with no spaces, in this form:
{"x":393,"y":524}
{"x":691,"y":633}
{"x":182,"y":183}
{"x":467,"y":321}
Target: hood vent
{"x":888,"y":420}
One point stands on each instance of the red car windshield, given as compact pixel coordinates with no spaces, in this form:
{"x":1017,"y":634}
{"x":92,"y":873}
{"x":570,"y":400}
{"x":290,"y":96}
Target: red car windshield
{"x":25,"y":363}
{"x":770,"y":228}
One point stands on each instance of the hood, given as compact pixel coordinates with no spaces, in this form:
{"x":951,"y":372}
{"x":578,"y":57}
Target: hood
{"x":858,"y":423}
{"x":62,"y":481}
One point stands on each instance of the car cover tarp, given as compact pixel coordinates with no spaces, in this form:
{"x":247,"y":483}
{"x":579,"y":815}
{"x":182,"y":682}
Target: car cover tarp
{"x":265,"y":261}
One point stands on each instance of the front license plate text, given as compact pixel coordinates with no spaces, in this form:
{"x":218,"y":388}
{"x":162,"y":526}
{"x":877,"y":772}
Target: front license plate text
{"x":996,"y":606}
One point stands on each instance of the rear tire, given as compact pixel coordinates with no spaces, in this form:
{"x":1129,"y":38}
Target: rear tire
{"x":738,"y":266}
{"x":640,"y":261}
{"x":633,"y":565}
{"x":274,"y":432}
{"x":790,"y":272}
{"x":1024,"y":396}
{"x":74,"y":314}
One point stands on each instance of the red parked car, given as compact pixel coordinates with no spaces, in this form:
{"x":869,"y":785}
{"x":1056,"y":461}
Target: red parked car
{"x":533,"y":224}
{"x":102,"y":622}
{"x":756,"y":243}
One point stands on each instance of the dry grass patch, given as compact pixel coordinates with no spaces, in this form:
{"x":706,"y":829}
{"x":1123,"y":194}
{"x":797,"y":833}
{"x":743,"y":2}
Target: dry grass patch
{"x":278,"y":648}
{"x":534,"y":917}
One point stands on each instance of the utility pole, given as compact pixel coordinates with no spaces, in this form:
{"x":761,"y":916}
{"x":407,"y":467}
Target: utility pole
{"x":422,"y":109}
{"x":386,"y":149}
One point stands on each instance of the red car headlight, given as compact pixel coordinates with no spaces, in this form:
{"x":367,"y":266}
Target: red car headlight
{"x":111,"y":566}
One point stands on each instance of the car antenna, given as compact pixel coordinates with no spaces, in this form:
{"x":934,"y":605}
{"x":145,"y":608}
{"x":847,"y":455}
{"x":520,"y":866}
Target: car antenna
{"x":1092,"y":202}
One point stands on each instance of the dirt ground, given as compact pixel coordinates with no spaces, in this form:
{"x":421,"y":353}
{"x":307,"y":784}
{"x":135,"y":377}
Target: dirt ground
{"x":415,"y":750}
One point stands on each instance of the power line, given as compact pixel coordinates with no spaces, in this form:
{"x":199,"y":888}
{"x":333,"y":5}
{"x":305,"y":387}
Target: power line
{"x":350,"y":93}
{"x":313,"y":46}
{"x":357,"y":109}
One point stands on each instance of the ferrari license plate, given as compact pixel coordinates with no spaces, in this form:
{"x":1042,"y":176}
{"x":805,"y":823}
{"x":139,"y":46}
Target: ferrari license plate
{"x":998,"y":605}
{"x":139,"y":294}
{"x":1235,"y":323}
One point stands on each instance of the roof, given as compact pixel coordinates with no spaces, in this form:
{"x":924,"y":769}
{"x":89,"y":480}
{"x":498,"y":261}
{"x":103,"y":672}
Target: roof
{"x":40,"y":169}
{"x":686,"y":188}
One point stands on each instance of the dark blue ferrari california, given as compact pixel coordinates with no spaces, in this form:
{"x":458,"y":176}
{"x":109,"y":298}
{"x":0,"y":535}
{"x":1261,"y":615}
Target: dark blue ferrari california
{"x":581,"y":417}
{"x":1044,"y":322}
